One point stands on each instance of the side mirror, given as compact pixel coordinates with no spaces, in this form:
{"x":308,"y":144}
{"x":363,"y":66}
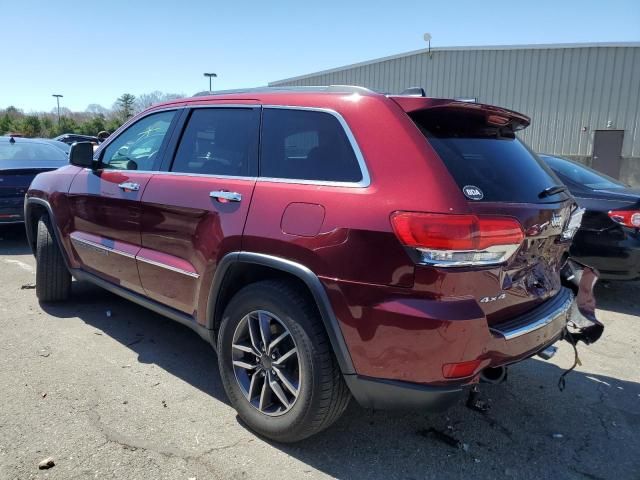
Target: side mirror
{"x":81,"y":154}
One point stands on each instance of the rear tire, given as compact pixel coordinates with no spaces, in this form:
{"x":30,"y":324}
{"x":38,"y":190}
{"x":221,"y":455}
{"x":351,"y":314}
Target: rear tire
{"x":322,"y":395}
{"x":53,"y":280}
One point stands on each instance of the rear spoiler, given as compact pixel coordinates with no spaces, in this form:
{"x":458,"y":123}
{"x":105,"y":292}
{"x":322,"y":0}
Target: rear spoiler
{"x":497,"y":116}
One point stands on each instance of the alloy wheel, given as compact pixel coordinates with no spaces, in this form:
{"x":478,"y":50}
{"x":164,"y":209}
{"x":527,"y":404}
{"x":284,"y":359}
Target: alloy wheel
{"x":265,"y":363}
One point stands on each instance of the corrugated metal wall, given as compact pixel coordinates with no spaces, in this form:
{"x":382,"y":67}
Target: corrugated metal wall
{"x":562,"y":89}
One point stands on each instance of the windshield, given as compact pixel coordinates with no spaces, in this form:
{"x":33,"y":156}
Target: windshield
{"x":27,"y":151}
{"x":581,"y":174}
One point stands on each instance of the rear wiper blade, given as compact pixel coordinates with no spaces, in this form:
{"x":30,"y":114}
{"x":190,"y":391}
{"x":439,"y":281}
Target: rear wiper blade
{"x":547,"y":192}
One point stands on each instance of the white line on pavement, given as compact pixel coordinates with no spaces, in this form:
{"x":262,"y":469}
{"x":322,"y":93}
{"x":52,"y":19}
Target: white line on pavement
{"x":22,"y":265}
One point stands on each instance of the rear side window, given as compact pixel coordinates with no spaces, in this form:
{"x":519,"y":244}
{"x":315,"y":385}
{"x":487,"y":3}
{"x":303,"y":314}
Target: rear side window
{"x":487,"y":157}
{"x":219,"y":141}
{"x":306,"y":145}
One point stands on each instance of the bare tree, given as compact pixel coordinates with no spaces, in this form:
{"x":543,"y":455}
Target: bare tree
{"x":97,"y":109}
{"x":145,"y":100}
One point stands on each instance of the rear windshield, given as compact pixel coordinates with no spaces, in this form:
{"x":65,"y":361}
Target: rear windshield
{"x":487,"y":162}
{"x":581,"y":174}
{"x":23,"y":151}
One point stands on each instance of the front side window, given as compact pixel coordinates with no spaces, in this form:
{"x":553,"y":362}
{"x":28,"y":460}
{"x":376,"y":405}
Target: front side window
{"x":137,"y":147}
{"x":306,"y":145}
{"x":219,"y":141}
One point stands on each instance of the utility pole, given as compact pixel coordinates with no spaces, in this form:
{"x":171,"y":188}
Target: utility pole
{"x":210,"y":75}
{"x":58,"y":97}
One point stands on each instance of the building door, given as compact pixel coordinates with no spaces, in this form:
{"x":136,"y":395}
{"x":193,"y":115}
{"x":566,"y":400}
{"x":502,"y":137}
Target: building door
{"x":607,"y":150}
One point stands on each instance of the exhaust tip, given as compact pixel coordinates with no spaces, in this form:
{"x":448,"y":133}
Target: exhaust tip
{"x":548,"y":353}
{"x":493,"y":375}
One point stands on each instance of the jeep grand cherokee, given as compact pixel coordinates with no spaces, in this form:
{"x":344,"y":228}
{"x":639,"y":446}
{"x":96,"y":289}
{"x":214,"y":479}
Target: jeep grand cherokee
{"x":329,"y":242}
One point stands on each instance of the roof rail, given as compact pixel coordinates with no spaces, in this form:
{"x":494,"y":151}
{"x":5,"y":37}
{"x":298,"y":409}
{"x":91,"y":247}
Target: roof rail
{"x":301,"y":89}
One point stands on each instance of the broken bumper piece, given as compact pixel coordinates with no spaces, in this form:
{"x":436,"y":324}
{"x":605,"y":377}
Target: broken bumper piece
{"x":582,"y":324}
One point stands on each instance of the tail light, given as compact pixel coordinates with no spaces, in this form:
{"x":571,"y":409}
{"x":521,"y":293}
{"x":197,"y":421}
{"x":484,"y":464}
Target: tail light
{"x":445,"y":240}
{"x":572,"y":226}
{"x":628,"y":218}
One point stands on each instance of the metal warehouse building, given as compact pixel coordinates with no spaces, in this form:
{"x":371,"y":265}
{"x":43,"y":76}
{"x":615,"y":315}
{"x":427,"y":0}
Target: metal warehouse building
{"x":583,"y":99}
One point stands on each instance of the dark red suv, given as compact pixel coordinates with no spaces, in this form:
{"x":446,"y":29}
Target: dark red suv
{"x":329,"y":242}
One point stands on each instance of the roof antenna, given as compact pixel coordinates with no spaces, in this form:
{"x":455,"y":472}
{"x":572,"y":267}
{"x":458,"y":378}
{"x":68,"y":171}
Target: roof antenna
{"x":427,"y":38}
{"x":12,"y":140}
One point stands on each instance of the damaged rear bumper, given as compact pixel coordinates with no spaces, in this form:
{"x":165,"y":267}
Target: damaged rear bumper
{"x":400,"y":345}
{"x":570,"y":316}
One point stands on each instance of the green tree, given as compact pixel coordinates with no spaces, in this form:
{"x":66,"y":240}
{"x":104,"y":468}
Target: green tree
{"x":113,"y":124}
{"x":66,"y":125}
{"x":6,"y":125}
{"x":13,"y":113}
{"x":93,"y":125}
{"x":48,"y":128}
{"x":125,"y":104}
{"x":30,"y":126}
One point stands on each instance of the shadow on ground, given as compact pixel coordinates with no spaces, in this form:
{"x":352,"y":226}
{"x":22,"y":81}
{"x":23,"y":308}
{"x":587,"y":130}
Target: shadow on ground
{"x":620,"y":297}
{"x":532,"y":430}
{"x":154,"y":338}
{"x":13,"y":240}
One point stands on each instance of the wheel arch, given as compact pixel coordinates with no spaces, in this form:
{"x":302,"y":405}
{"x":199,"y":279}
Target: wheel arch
{"x":239,"y":269}
{"x":34,"y":208}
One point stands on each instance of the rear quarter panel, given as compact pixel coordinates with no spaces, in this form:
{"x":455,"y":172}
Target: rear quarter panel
{"x":355,"y":241}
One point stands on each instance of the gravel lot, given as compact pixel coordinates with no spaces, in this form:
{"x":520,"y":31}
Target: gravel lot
{"x":136,"y":396}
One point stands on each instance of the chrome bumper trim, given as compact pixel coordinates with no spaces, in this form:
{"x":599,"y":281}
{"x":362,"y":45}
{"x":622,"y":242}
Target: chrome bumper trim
{"x":540,"y":317}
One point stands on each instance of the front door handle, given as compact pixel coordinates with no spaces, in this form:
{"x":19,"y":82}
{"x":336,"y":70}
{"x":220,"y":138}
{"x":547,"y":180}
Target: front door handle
{"x":225,"y":196}
{"x":130,"y":186}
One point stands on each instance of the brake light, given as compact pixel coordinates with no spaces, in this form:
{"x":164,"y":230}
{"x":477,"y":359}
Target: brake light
{"x":497,"y":120}
{"x":458,"y":240}
{"x":628,"y":218}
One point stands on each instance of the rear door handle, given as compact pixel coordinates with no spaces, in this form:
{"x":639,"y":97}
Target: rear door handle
{"x":130,"y":186}
{"x":224,"y":195}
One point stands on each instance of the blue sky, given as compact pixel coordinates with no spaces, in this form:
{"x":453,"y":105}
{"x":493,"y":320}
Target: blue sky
{"x":91,"y":52}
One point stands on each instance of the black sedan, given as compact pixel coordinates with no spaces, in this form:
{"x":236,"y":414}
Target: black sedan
{"x":21,"y":159}
{"x":609,"y":237}
{"x":71,"y":138}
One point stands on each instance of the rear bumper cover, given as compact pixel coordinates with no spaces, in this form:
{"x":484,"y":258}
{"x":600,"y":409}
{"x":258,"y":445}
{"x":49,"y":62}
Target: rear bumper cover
{"x":11,"y":210}
{"x":384,"y":394}
{"x":399,"y":345}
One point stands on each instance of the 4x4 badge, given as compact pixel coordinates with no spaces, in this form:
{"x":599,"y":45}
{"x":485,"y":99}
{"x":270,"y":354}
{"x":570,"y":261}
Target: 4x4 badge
{"x":472,"y":192}
{"x":501,"y":296}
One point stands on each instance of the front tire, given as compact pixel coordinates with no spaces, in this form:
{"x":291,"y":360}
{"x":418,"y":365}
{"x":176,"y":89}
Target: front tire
{"x":53,"y":280}
{"x":276,"y":363}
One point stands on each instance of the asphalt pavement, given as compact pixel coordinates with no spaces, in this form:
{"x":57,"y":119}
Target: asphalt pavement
{"x":108,"y":390}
